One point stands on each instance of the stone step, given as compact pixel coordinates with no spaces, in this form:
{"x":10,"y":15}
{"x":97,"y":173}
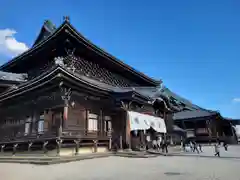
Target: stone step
{"x":50,"y":160}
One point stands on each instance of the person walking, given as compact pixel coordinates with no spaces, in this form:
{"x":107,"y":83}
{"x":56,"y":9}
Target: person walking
{"x":166,"y":147}
{"x":191,"y":146}
{"x":184,"y":146}
{"x":225,"y":145}
{"x":159,"y":143}
{"x":148,"y":139}
{"x":195,"y":147}
{"x":217,"y":150}
{"x":200,"y":147}
{"x":154,"y":144}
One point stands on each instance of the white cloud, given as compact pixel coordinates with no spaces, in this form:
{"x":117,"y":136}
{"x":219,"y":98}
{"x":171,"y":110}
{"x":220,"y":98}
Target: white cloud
{"x":9,"y":46}
{"x":237,"y":100}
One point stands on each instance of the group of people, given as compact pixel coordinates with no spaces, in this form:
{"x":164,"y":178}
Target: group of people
{"x":160,"y":144}
{"x":194,"y":147}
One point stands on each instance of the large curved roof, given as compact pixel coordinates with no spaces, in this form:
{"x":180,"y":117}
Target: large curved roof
{"x":48,"y":33}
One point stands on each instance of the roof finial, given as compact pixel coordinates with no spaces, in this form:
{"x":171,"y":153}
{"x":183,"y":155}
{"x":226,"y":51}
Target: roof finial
{"x":66,"y":18}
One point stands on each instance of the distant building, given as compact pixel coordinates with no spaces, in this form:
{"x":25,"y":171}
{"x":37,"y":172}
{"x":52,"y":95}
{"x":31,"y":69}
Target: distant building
{"x":236,"y":126}
{"x":200,"y":124}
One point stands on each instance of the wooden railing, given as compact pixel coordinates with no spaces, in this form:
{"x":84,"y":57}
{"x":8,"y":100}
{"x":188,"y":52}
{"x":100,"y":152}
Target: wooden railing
{"x":21,"y":136}
{"x":85,"y":133}
{"x":8,"y":135}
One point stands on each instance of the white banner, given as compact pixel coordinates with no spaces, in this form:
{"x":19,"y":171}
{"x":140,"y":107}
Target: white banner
{"x":140,"y":121}
{"x":237,"y":129}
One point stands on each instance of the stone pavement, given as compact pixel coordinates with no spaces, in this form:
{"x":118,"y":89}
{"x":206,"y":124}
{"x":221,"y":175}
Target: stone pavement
{"x":49,"y":160}
{"x":117,"y":168}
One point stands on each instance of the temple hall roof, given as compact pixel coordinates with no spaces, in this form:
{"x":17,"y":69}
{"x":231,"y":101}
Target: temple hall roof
{"x":49,"y":35}
{"x":184,"y":115}
{"x":47,"y":29}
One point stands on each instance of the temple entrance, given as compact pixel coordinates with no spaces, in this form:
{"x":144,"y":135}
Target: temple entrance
{"x":57,"y":121}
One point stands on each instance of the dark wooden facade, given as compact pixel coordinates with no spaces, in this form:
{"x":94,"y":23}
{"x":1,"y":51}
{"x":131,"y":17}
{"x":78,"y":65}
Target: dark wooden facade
{"x":207,"y":128}
{"x":74,"y":99}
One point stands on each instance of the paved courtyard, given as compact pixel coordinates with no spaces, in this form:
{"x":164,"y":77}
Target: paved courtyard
{"x":118,"y":168}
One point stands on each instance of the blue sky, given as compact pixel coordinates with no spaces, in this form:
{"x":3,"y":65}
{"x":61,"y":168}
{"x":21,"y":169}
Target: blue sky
{"x":193,"y":46}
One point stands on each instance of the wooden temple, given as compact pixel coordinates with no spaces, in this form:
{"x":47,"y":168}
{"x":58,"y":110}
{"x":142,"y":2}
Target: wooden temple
{"x":66,"y":96}
{"x":196,"y":123}
{"x":200,"y":124}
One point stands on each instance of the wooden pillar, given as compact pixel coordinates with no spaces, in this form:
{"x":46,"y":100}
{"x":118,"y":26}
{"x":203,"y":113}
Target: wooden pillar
{"x":110,"y":143}
{"x":215,"y":127}
{"x":195,"y":129}
{"x":47,"y":120}
{"x":65,"y":114}
{"x":34,"y":122}
{"x":60,"y":126}
{"x":128,"y":131}
{"x":59,"y":145}
{"x":208,"y":127}
{"x":183,"y":125}
{"x":121,"y":142}
{"x":95,"y":145}
{"x":142,"y":139}
{"x":86,"y":123}
{"x":101,"y":128}
{"x":164,"y":118}
{"x":66,"y":95}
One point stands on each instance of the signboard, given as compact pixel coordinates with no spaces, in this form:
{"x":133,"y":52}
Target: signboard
{"x":140,"y":121}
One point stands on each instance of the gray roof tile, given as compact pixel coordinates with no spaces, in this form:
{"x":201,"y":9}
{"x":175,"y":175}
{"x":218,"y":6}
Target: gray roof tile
{"x":13,"y":76}
{"x":184,"y":115}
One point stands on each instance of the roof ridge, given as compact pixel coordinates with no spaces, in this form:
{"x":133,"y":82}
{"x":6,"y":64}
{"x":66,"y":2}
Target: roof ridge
{"x":49,"y":25}
{"x":112,"y":57}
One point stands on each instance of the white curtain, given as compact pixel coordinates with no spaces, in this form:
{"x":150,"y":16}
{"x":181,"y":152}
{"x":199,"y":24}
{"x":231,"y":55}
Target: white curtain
{"x":140,"y":121}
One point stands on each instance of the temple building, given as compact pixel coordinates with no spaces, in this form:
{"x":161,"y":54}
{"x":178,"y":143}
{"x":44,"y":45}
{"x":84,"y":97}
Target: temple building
{"x":200,"y":124}
{"x":67,"y":96}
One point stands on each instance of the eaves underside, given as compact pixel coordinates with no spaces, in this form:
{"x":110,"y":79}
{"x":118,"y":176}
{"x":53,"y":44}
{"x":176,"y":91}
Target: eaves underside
{"x":63,"y":74}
